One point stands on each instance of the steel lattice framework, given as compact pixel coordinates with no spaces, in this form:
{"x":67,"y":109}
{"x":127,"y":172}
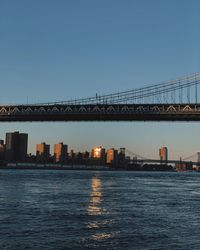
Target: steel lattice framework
{"x":175,"y":100}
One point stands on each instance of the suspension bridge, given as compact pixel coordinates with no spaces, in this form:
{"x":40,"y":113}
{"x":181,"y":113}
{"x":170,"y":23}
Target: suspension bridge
{"x":192,"y":159}
{"x":175,"y":100}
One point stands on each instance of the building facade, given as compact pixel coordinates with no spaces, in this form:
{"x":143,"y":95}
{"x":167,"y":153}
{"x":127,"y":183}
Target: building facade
{"x":16,"y":146}
{"x":111,"y":156}
{"x":2,"y":150}
{"x":60,"y":152}
{"x":163,"y":153}
{"x":42,"y":152}
{"x":98,"y":153}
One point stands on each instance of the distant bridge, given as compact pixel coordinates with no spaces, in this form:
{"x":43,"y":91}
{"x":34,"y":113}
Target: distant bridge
{"x":175,"y":100}
{"x":192,"y":159}
{"x":165,"y":162}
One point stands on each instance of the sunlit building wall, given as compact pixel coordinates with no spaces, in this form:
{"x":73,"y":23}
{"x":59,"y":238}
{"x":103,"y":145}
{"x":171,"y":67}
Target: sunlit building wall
{"x":111,"y":156}
{"x":60,"y":152}
{"x":163,"y":153}
{"x":98,"y":152}
{"x":42,"y":152}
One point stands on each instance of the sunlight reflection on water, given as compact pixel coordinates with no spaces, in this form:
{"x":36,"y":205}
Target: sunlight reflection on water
{"x":101,"y":236}
{"x":95,"y":208}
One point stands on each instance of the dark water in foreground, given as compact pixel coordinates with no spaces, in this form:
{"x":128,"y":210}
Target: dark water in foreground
{"x":99,"y":210}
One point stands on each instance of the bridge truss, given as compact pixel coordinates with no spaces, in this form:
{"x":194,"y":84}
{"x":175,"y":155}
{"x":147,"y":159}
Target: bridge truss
{"x":175,"y":100}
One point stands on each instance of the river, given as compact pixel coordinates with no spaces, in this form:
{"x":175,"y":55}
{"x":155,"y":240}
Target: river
{"x":55,"y":209}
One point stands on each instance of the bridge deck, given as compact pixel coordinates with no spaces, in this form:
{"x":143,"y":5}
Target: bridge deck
{"x":101,"y":112}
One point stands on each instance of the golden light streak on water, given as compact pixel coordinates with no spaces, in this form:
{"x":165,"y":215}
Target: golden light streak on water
{"x":94,"y":207}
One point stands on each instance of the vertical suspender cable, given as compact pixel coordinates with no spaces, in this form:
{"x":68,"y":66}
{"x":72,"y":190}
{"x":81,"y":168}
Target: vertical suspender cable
{"x":196,"y":90}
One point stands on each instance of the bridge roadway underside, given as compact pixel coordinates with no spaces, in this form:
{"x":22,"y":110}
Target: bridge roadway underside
{"x":101,"y":112}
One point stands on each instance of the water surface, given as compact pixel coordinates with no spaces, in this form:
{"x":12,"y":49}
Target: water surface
{"x":49,"y":209}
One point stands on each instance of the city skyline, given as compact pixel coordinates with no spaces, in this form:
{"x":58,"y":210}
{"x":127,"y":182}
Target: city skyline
{"x":148,"y":142}
{"x":58,"y":51}
{"x":62,"y":149}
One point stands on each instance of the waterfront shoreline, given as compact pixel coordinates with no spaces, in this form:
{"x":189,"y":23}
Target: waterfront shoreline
{"x":55,"y":168}
{"x":78,"y":168}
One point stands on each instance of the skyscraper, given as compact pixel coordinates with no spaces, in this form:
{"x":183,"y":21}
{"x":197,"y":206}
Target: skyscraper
{"x":111,"y":156}
{"x":198,"y":158}
{"x":42,"y":152}
{"x":98,"y":153}
{"x":163,"y":153}
{"x":122,"y":155}
{"x":16,"y":146}
{"x":2,"y":150}
{"x":60,"y":152}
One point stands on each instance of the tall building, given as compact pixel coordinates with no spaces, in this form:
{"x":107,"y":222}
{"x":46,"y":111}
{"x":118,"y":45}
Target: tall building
{"x":16,"y":146}
{"x":42,"y":152}
{"x":99,"y":153}
{"x":163,"y":153}
{"x":2,"y":150}
{"x":198,"y":158}
{"x":111,"y":156}
{"x":122,"y":155}
{"x":60,"y":152}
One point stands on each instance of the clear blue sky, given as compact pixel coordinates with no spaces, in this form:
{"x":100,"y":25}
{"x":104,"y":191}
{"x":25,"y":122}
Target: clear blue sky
{"x":61,"y":49}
